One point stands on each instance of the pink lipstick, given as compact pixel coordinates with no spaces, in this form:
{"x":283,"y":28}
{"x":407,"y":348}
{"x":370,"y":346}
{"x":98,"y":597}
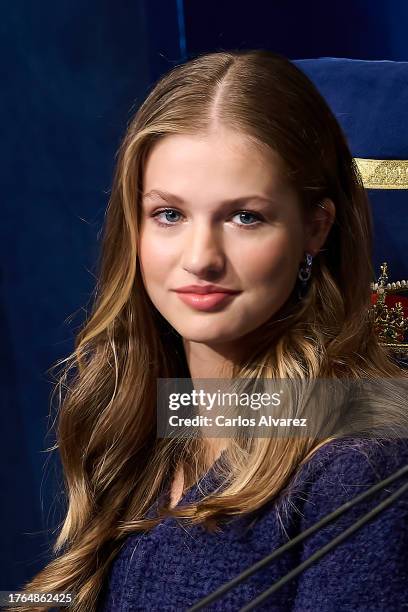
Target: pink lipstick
{"x":206,"y":297}
{"x":206,"y":301}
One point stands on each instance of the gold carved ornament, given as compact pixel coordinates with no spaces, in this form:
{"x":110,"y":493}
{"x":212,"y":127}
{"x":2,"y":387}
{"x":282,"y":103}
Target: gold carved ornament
{"x":390,"y":314}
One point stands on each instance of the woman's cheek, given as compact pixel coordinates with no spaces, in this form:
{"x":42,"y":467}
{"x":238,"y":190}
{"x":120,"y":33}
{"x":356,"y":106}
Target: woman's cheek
{"x":269,"y":262}
{"x":154,"y":258}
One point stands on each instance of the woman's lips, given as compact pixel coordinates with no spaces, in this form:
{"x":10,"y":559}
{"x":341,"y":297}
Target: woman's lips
{"x":206,"y":301}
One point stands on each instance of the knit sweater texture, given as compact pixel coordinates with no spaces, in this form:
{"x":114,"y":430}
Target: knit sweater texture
{"x":173,"y":566}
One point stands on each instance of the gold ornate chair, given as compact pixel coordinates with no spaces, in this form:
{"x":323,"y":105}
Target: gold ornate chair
{"x":370,"y":99}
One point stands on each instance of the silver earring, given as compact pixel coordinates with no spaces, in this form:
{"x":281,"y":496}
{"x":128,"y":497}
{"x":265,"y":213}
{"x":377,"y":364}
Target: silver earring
{"x":304,"y":274}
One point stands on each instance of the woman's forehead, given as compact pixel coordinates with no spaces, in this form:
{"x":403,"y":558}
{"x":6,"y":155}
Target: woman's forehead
{"x":183,"y":164}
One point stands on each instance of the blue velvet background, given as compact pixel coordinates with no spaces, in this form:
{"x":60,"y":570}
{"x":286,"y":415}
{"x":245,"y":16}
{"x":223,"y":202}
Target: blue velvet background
{"x":370,"y":100}
{"x":72,"y":74}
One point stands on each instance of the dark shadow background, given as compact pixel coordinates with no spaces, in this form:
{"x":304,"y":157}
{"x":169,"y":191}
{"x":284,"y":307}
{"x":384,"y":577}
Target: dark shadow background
{"x":72,"y":75}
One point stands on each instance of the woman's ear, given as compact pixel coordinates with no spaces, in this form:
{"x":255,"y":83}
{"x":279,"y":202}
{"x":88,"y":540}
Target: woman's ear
{"x":318,"y":226}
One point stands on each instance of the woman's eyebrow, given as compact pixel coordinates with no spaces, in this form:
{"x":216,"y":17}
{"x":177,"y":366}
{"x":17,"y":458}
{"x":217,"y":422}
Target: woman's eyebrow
{"x":170,"y":197}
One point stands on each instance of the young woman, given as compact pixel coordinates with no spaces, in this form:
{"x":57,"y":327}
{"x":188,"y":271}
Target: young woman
{"x":237,"y":245}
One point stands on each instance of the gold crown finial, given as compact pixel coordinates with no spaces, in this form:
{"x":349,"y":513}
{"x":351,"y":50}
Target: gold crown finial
{"x":390,"y":322}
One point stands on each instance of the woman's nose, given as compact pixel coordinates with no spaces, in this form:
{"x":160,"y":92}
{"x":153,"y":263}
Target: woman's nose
{"x":203,"y":250}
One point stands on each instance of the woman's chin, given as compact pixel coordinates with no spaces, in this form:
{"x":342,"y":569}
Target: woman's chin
{"x":210,"y":334}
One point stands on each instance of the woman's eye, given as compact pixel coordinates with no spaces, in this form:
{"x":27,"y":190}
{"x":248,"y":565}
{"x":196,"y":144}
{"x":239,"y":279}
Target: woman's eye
{"x":244,"y":214}
{"x":168,"y":215}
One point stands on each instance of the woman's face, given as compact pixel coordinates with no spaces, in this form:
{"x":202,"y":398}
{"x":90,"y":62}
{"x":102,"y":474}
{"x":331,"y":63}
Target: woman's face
{"x":232,"y":220}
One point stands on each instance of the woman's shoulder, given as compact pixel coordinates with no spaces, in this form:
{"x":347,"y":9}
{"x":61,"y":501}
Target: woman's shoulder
{"x":370,"y":565}
{"x":338,"y":471}
{"x":351,"y":457}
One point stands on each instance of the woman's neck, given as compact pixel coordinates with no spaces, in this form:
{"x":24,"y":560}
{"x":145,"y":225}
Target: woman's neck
{"x":206,"y":362}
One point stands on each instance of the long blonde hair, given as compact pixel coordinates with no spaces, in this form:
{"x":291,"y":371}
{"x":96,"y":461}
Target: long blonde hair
{"x":114,"y":466}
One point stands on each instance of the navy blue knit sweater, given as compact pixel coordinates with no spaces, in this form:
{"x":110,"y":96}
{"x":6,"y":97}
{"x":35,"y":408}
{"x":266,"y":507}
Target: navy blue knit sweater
{"x":172,"y":566}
